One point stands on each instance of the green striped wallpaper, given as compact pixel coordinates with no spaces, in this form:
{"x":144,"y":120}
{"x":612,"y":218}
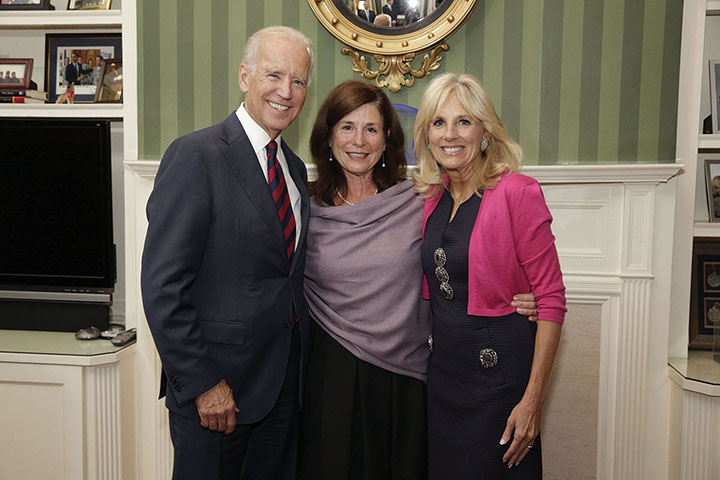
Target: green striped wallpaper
{"x":576,"y":81}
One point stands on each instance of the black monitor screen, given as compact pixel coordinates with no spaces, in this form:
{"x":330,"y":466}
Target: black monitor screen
{"x":56,"y":204}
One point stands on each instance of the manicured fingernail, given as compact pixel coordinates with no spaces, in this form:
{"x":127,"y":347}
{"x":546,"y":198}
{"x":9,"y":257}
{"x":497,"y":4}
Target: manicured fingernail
{"x":503,"y":441}
{"x":513,"y":304}
{"x":515,"y":297}
{"x":509,"y":466}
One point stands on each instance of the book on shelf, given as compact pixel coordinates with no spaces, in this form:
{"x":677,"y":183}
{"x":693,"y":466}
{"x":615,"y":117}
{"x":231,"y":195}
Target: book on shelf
{"x":19,"y":99}
{"x":24,"y":93}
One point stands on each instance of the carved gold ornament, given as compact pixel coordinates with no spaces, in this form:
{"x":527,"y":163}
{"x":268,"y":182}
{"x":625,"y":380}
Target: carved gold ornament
{"x":394,"y":48}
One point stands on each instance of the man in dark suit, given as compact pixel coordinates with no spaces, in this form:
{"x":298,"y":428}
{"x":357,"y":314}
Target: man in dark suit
{"x":368,"y":15}
{"x":222,"y":275}
{"x":73,"y":71}
{"x":388,"y":10}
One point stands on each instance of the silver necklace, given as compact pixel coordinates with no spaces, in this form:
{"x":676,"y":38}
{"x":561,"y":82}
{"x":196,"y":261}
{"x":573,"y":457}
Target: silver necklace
{"x":344,"y":200}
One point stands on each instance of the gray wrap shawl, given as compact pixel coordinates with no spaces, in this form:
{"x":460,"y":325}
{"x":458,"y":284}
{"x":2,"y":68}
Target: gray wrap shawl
{"x":363,"y":278}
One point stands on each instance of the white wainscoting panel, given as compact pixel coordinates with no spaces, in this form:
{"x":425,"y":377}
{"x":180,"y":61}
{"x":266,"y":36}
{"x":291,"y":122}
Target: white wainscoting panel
{"x":43,"y":399}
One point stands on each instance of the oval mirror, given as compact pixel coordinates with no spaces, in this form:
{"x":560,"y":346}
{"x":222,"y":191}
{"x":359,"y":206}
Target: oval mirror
{"x":394,"y":31}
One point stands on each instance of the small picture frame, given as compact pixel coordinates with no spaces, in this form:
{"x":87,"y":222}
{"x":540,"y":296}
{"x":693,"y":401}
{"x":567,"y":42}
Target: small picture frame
{"x":712,"y":188}
{"x":15,"y":73}
{"x":705,"y":294}
{"x":110,"y":86}
{"x":26,"y":5}
{"x":76,"y":58}
{"x":714,"y":92}
{"x":89,"y":4}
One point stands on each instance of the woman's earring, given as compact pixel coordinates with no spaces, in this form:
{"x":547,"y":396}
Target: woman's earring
{"x":330,"y":154}
{"x":484,"y":145}
{"x":383,"y":159}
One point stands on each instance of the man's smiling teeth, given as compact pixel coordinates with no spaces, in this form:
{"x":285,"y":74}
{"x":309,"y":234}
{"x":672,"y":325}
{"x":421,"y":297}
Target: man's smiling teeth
{"x":452,"y":149}
{"x":277,"y":106}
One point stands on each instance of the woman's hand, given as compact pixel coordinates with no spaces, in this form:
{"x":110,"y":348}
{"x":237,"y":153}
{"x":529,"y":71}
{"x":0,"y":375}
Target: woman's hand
{"x":524,"y":304}
{"x":523,"y":424}
{"x":523,"y":427}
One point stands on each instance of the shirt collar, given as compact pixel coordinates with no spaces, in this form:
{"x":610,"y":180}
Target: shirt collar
{"x":259,"y":138}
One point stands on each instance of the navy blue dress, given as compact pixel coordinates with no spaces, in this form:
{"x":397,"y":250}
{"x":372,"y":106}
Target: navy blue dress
{"x":469,"y":401}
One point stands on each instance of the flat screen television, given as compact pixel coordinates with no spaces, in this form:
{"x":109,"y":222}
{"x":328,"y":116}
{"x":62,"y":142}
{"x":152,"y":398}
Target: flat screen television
{"x":56,"y":227}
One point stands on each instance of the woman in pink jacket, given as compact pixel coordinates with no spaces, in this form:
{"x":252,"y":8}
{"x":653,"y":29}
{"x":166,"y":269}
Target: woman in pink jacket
{"x":486,"y":235}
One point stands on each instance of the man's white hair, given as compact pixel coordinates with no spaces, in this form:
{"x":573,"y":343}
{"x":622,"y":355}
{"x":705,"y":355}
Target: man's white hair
{"x":252,"y":47}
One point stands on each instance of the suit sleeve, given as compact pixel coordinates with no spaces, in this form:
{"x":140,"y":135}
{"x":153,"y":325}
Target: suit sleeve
{"x":180,"y":214}
{"x":535,"y":249}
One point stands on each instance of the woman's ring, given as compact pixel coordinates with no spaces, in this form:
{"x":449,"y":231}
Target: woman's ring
{"x":530,"y":446}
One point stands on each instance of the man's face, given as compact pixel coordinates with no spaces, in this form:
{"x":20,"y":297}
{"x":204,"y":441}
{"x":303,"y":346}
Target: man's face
{"x":275,"y":91}
{"x":74,"y":58}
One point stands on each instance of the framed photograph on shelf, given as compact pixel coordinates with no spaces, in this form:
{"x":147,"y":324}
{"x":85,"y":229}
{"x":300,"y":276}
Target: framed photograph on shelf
{"x":26,"y":5}
{"x":15,"y":73}
{"x":78,"y":58}
{"x":712,"y":188}
{"x":705,"y":294}
{"x":714,"y":91}
{"x":89,"y":4}
{"x":110,"y":86}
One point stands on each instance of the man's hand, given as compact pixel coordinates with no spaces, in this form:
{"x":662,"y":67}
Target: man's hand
{"x":217,"y":409}
{"x":524,"y":304}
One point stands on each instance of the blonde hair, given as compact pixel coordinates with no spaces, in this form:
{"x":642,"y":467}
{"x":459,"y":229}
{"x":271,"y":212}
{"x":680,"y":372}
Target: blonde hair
{"x":503,"y":155}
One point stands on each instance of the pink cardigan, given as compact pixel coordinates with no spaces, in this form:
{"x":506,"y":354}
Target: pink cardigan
{"x":512,"y":250}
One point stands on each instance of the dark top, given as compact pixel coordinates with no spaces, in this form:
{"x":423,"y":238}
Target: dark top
{"x":454,"y":238}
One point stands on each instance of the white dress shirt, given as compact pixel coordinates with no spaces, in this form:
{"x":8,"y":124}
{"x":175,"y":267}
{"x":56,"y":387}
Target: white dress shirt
{"x":259,"y":139}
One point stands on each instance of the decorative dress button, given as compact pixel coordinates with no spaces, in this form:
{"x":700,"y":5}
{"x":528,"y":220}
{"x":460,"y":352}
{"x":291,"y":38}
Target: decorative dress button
{"x":488,"y":358}
{"x":430,"y":343}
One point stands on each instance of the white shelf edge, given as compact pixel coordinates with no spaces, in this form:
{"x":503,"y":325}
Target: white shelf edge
{"x":89,"y":110}
{"x":61,"y":18}
{"x":709,"y":141}
{"x":691,"y":385}
{"x":712,"y":7}
{"x":706,"y":229}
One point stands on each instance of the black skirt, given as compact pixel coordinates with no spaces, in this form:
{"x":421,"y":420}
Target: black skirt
{"x":468,"y":404}
{"x":359,"y":421}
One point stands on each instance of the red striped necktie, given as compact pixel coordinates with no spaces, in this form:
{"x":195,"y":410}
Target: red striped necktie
{"x":279,"y":192}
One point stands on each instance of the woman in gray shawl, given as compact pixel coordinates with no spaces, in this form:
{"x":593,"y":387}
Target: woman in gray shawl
{"x":364,"y":413}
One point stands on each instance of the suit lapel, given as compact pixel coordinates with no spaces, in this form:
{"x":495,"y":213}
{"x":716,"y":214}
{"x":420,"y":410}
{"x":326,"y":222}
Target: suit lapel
{"x":243,"y":162}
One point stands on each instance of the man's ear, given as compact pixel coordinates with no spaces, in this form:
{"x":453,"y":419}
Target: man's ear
{"x":243,"y":75}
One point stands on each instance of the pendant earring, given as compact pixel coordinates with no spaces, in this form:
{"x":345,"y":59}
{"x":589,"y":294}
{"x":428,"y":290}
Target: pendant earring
{"x":484,"y":145}
{"x":330,"y":155}
{"x":383,"y":159}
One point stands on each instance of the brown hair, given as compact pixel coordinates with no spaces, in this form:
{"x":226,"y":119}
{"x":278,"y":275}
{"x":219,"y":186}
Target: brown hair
{"x":343,"y":99}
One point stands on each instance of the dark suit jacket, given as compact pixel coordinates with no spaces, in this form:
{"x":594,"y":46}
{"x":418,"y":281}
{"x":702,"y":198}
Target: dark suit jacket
{"x":218,"y":289}
{"x":72,"y":74}
{"x":387,"y":9}
{"x":361,"y":14}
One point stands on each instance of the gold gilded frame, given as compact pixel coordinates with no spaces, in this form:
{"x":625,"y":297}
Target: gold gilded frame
{"x":394,"y":53}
